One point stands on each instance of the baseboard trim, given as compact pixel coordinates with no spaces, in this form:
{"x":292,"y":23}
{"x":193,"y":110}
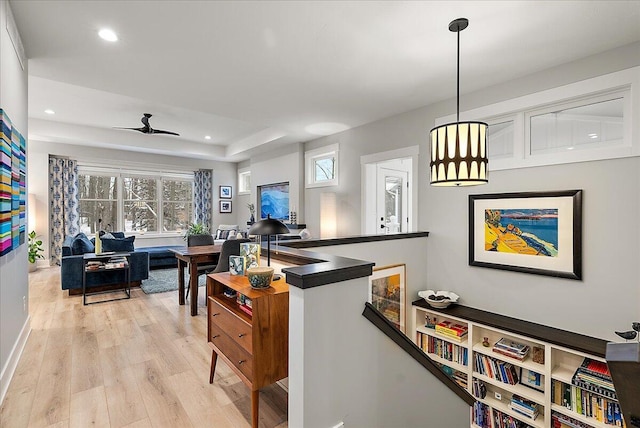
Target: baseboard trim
{"x":12,"y":363}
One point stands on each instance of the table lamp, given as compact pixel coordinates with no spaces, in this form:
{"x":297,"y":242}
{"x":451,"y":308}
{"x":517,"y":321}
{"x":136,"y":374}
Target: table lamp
{"x":267,"y":227}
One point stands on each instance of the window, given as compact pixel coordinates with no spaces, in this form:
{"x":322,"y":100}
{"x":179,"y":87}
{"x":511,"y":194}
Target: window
{"x":134,"y":201}
{"x":588,"y":120}
{"x":322,"y":166}
{"x":98,"y":201}
{"x":140,"y":204}
{"x":244,"y":181}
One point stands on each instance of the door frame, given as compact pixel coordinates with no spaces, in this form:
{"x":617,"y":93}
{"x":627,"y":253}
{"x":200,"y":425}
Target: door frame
{"x":368,"y":187}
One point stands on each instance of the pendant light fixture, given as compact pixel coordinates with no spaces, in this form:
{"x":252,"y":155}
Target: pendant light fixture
{"x":459,"y":150}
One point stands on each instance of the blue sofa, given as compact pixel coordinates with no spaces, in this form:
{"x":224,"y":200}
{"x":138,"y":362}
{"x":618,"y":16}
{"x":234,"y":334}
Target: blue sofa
{"x":72,"y":265}
{"x":161,"y":256}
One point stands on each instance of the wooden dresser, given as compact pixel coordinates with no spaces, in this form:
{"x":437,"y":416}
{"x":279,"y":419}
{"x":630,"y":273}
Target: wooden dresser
{"x":255,"y":346}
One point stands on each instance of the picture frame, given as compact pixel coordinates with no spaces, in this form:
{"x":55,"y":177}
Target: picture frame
{"x":387,"y":293}
{"x":226,"y":192}
{"x":531,"y":379}
{"x":225,"y":206}
{"x":532,"y":232}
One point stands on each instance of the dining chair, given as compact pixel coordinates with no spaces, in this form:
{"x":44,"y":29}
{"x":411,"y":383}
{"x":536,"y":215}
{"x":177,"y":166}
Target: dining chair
{"x":196,"y":241}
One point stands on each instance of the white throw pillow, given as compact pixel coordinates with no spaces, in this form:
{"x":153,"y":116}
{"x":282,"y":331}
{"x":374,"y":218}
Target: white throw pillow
{"x":305,"y":234}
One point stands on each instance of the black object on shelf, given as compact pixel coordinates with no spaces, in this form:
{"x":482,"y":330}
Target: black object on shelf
{"x":267,"y":227}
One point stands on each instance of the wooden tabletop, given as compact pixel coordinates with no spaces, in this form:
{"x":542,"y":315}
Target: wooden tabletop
{"x":197,"y":250}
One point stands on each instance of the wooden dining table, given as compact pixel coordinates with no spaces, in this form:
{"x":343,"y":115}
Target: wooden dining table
{"x":193,"y":256}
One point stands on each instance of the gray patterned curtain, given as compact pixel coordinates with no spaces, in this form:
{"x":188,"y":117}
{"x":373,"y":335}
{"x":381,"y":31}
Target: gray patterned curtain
{"x":63,"y":207}
{"x":203,"y":197}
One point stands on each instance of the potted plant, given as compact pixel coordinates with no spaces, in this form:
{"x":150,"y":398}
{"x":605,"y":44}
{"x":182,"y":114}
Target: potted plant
{"x":35,"y":250}
{"x":196,"y":229}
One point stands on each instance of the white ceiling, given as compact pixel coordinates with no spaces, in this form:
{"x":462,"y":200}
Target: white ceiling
{"x":258,"y":74}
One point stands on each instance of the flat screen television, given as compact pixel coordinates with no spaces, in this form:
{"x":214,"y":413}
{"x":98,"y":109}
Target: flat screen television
{"x":274,"y":200}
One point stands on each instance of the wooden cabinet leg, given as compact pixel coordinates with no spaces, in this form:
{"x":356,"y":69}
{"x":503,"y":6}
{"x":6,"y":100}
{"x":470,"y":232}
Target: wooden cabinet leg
{"x":214,"y":358}
{"x":255,"y":396}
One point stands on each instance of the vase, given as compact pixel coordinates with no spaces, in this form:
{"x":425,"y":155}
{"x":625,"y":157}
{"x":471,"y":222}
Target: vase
{"x":252,"y":219}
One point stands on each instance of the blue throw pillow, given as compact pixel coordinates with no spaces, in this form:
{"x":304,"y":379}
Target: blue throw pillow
{"x":118,"y":244}
{"x":118,"y":234}
{"x":81,"y":245}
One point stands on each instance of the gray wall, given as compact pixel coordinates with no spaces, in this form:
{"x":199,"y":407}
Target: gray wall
{"x":14,"y":285}
{"x":607,"y":299}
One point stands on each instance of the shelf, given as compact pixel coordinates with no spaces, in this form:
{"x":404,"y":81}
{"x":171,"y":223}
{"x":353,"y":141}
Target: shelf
{"x":432,"y":332}
{"x":502,"y":405}
{"x":527,"y":364}
{"x":521,"y":390}
{"x":451,"y":364}
{"x":591,"y":421}
{"x":563,"y":373}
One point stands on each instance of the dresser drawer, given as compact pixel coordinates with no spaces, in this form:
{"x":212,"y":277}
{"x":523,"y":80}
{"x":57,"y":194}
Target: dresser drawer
{"x":240,"y":358}
{"x":235,"y":327}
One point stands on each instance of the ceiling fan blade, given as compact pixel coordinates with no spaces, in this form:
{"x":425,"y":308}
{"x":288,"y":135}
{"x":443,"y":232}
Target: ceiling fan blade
{"x":143,"y":130}
{"x":160,"y":131}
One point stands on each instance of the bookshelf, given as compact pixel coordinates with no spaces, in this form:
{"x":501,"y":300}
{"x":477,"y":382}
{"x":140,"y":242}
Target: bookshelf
{"x":508,"y":399}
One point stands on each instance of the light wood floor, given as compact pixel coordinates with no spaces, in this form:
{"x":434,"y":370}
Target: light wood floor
{"x":142,"y":362}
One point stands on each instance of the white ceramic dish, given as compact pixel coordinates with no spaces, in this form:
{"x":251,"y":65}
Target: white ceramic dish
{"x":449,"y":298}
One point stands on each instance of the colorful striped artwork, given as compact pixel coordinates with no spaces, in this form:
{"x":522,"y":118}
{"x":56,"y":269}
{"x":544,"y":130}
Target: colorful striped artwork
{"x":13,"y":195}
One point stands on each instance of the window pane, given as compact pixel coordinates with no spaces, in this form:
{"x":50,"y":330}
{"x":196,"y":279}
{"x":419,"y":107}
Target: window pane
{"x":174,"y":190}
{"x":139,"y":188}
{"x":500,"y":140}
{"x":91,"y":211}
{"x":324,"y":169}
{"x":585,"y":127}
{"x":96,"y":187}
{"x":176,"y":215}
{"x":244,"y":181}
{"x":140,"y":216}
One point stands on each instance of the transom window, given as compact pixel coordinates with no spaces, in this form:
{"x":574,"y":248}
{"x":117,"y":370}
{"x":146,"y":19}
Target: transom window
{"x":134,"y":202}
{"x":322,"y":166}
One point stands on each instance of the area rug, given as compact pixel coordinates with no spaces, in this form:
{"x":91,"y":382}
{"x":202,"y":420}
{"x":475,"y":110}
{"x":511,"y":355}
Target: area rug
{"x":163,"y":280}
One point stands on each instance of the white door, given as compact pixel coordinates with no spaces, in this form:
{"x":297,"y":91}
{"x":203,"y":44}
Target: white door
{"x":392,"y":212}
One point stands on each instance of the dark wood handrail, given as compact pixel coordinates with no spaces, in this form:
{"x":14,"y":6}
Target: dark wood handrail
{"x":379,"y":320}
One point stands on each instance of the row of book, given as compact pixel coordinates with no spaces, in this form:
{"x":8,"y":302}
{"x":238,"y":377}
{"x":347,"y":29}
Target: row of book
{"x":245,"y":304}
{"x":458,"y":376}
{"x":502,"y":420}
{"x":443,"y":349}
{"x":452,"y":330}
{"x":496,"y":369}
{"x":478,"y":388}
{"x":586,"y":403}
{"x":524,"y":407}
{"x":511,"y":349}
{"x":558,"y":420}
{"x":481,"y":415}
{"x":112,"y":263}
{"x":594,"y":376}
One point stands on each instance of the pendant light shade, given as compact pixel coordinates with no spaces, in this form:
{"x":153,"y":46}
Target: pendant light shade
{"x":459,"y":150}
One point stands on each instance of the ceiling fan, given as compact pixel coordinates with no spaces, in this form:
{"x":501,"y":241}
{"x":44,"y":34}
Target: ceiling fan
{"x":147,"y":129}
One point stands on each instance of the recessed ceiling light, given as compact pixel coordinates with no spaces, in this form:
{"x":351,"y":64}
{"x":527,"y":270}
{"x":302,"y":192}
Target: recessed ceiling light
{"x":49,"y":111}
{"x":593,"y":136}
{"x":207,"y":137}
{"x":570,"y":148}
{"x":108,"y":35}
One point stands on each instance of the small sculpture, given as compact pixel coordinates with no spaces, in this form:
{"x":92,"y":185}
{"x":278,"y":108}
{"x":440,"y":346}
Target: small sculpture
{"x":485,"y":342}
{"x":631,"y":334}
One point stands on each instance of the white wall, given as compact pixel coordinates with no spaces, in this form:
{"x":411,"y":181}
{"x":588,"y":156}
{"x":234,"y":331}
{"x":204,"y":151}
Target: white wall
{"x":607,"y":299}
{"x":14,"y":286}
{"x":224,"y":173}
{"x":343,"y":369}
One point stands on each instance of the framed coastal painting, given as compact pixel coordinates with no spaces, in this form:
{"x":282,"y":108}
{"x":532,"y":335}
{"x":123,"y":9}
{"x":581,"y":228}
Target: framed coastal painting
{"x":534,"y":232}
{"x":225,"y":206}
{"x":387,"y":293}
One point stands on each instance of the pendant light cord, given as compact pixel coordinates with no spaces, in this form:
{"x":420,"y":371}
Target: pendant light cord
{"x":458,"y":82}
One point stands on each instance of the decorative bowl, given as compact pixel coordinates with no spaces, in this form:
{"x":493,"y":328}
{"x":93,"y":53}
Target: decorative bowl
{"x":439,"y":299}
{"x":260,"y":277}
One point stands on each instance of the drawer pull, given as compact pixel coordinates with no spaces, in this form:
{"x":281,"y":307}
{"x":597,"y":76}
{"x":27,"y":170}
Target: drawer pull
{"x":216,"y":336}
{"x":242,"y":334}
{"x":216,"y":314}
{"x":241,"y":362}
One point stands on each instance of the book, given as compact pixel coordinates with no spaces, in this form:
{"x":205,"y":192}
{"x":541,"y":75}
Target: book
{"x":246,"y":309}
{"x":451,"y":328}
